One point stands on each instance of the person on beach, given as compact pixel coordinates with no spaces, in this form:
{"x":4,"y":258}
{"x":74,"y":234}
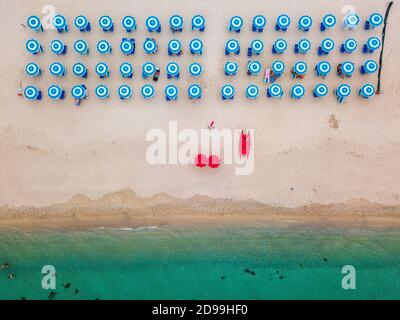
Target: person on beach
{"x":339,"y":71}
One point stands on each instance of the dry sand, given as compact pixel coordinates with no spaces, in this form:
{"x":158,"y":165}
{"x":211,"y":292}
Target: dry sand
{"x":308,"y":151}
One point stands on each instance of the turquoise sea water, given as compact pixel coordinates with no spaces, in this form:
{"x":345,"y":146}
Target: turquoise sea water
{"x":297,"y":262}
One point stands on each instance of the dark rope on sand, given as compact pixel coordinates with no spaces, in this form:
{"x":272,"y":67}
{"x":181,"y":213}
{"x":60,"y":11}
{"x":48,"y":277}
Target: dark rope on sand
{"x":378,"y":89}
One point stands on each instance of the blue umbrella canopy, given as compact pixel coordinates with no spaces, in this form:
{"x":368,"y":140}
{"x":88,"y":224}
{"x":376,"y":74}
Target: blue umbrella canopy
{"x":257,"y":46}
{"x":54,"y":92}
{"x":152,"y":23}
{"x":232,"y":46}
{"x":57,"y":46}
{"x":124,"y":91}
{"x":236,"y":23}
{"x":57,"y":69}
{"x":373,"y":43}
{"x":350,"y":45}
{"x":278,"y":67}
{"x":275,"y":90}
{"x":103,"y":47}
{"x":126,"y":69}
{"x":321,"y":90}
{"x":81,"y":22}
{"x":252,"y":91}
{"x":324,"y":67}
{"x":254,"y":67}
{"x":304,"y":45}
{"x":283,"y":21}
{"x":280,"y":45}
{"x":33,"y":46}
{"x":375,"y":19}
{"x":149,"y":68}
{"x":367,"y":90}
{"x":106,"y":22}
{"x":327,"y":45}
{"x":348,"y":68}
{"x":176,"y":22}
{"x":228,"y":91}
{"x":126,"y":46}
{"x":329,"y":21}
{"x":102,"y":69}
{"x":297,"y":91}
{"x":259,"y":21}
{"x":150,"y":46}
{"x":305,"y":22}
{"x":59,"y":22}
{"x":172,"y":68}
{"x":370,"y":66}
{"x":32,"y":69}
{"x":31,"y":92}
{"x":194,"y":91}
{"x":174,"y":46}
{"x":171,"y":92}
{"x":148,"y":91}
{"x":231,"y":67}
{"x":343,"y":90}
{"x":79,"y":69}
{"x":34,"y":23}
{"x":196,"y":46}
{"x":195,"y":69}
{"x":102,"y":91}
{"x":81,"y":46}
{"x":300,"y":67}
{"x":129,"y":23}
{"x":78,"y":91}
{"x":198,"y":22}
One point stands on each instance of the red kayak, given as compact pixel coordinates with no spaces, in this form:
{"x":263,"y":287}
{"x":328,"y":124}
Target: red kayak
{"x":244,"y":144}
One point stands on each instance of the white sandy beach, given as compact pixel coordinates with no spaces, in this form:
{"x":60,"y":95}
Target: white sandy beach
{"x":307,"y":151}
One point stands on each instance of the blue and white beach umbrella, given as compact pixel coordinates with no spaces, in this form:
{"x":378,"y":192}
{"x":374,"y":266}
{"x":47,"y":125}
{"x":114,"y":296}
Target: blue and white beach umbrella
{"x":232,"y":47}
{"x":102,"y":91}
{"x":373,"y":44}
{"x":278,"y":67}
{"x":102,"y":70}
{"x":300,"y":68}
{"x":172,"y":69}
{"x":34,"y":23}
{"x":321,"y":90}
{"x":194,"y":91}
{"x":60,"y":23}
{"x":176,"y":23}
{"x":343,"y":91}
{"x":282,"y":22}
{"x":125,"y":92}
{"x":80,"y":70}
{"x":57,"y":69}
{"x":171,"y":92}
{"x":349,"y":46}
{"x":81,"y":47}
{"x":33,"y":70}
{"x":55,"y":92}
{"x":174,"y":46}
{"x":198,"y":22}
{"x":297,"y":91}
{"x":304,"y":46}
{"x":129,"y":23}
{"x":375,"y":20}
{"x":126,"y":70}
{"x":150,"y":46}
{"x":106,"y":23}
{"x":369,"y":66}
{"x":82,"y":23}
{"x":348,"y":68}
{"x":196,"y":46}
{"x":257,"y":46}
{"x":104,"y":47}
{"x":148,"y":91}
{"x":305,"y":23}
{"x":329,"y":21}
{"x":127,"y":47}
{"x":351,"y":21}
{"x":231,"y":68}
{"x":252,"y":91}
{"x":279,"y":46}
{"x":227,"y":92}
{"x":327,"y":45}
{"x":259,"y":23}
{"x":254,"y":67}
{"x":57,"y":47}
{"x":148,"y":69}
{"x":32,"y":93}
{"x":33,"y":46}
{"x":195,"y":69}
{"x":153,"y":24}
{"x":323,"y":68}
{"x":275,"y":91}
{"x":367,"y":90}
{"x":79,"y":92}
{"x":235,"y":24}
